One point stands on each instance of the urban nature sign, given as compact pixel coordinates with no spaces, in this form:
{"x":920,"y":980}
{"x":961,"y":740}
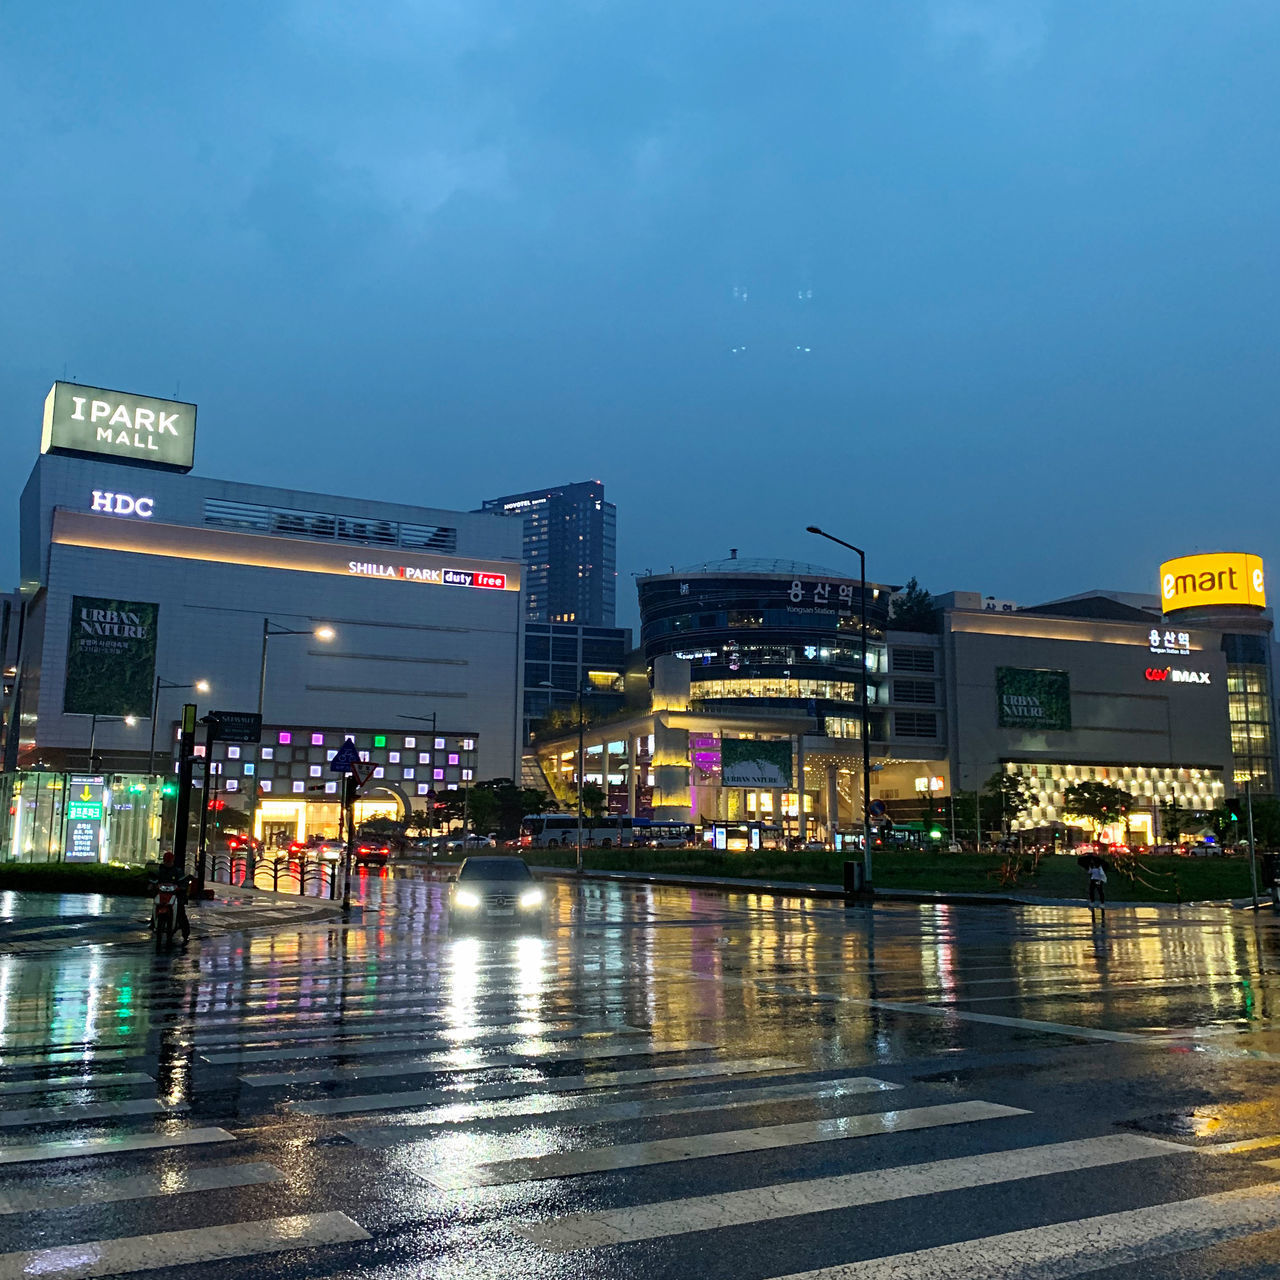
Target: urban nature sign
{"x":745,"y":762}
{"x":139,"y":430}
{"x":1033,"y":699}
{"x":111,"y":657}
{"x":1222,"y":577}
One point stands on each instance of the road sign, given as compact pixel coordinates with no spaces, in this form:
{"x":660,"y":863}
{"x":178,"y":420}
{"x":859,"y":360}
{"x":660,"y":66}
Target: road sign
{"x":235,"y":726}
{"x":876,"y":808}
{"x":345,"y":757}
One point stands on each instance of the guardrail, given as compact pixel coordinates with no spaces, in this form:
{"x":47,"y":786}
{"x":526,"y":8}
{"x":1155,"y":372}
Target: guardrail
{"x":306,"y":876}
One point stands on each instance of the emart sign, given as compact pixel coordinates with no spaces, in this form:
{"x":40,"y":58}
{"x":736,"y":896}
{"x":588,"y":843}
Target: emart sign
{"x":1219,"y":578}
{"x":140,"y":430}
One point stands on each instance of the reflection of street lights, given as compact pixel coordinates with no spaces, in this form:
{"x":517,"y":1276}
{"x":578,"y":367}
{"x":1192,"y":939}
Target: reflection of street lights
{"x":200,"y":686}
{"x":866,"y":746}
{"x":582,"y":765}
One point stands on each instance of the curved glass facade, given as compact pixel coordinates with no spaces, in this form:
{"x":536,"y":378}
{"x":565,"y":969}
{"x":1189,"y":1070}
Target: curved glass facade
{"x":784,"y":639}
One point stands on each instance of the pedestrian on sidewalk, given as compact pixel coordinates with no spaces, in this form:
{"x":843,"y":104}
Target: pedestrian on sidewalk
{"x":1096,"y":869}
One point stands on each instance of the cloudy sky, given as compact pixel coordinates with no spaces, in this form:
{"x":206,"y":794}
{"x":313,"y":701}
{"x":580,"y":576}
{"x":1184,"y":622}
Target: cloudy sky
{"x":988,"y":287}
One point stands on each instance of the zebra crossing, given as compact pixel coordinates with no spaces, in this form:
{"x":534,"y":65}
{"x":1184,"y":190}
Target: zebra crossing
{"x":266,"y":1121}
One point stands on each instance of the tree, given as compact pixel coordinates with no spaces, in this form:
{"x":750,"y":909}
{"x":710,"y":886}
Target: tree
{"x":594,"y":800}
{"x":1100,"y":802}
{"x":1005,"y":798}
{"x":914,"y":610}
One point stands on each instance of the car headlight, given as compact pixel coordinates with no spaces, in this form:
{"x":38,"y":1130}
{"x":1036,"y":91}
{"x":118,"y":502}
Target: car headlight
{"x":531,"y":898}
{"x":465,"y":898}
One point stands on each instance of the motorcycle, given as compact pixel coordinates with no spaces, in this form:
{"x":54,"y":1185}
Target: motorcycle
{"x":166,"y":913}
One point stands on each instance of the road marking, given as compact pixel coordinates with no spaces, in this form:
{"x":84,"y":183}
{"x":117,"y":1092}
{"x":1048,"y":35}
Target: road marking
{"x":701,"y":1146}
{"x":1085,"y":1245}
{"x":820,"y":1195}
{"x":54,"y":1083}
{"x":88,"y":1111}
{"x":342,"y":1048}
{"x":569,"y":1111}
{"x":461,"y":1060}
{"x":525,"y":1088}
{"x":996,"y":1020}
{"x":138,"y":1187}
{"x":180,"y":1248}
{"x":256,"y":1037}
{"x":111,"y":1146}
{"x":87,"y":1056}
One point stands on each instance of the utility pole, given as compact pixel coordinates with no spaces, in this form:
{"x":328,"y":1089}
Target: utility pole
{"x":1253,"y":857}
{"x":186,"y":753}
{"x":206,"y":797}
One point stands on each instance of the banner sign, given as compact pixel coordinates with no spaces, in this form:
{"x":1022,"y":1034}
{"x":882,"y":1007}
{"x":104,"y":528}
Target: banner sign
{"x":1218,"y":578}
{"x":139,"y":430}
{"x":84,"y":820}
{"x":1033,"y":699}
{"x":111,"y":657}
{"x":747,"y":763}
{"x":235,"y":726}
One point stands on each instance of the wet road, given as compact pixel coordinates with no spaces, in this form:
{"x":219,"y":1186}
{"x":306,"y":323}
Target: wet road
{"x":664,"y":1083}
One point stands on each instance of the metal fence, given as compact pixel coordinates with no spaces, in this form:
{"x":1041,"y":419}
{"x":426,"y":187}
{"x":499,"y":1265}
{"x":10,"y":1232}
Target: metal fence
{"x":307,"y":875}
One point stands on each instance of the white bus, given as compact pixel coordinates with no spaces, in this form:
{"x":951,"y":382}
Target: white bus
{"x":560,"y":830}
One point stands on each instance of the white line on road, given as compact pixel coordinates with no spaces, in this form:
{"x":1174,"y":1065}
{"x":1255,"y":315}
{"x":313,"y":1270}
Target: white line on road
{"x":343,"y":1048}
{"x":1023,"y":1024}
{"x":820,"y":1195}
{"x":730,"y":1142}
{"x":181,"y":1248}
{"x":111,"y":1146}
{"x":527,"y":1088}
{"x":88,"y":1111}
{"x":1075,"y":1248}
{"x":463,"y":1060}
{"x":570,"y":1111}
{"x":141,"y":1186}
{"x":54,"y":1083}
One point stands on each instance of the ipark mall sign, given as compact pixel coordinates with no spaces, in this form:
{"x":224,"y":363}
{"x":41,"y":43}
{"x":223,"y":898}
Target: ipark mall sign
{"x":140,"y":430}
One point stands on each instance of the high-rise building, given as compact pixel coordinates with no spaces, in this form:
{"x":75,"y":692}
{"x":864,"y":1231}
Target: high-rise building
{"x":570,"y":552}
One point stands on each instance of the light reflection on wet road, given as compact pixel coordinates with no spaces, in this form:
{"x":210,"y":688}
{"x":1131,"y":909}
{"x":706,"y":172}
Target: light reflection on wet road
{"x":661,"y":1082}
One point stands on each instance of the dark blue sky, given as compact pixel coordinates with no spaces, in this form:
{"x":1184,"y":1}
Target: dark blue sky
{"x":990,"y":287}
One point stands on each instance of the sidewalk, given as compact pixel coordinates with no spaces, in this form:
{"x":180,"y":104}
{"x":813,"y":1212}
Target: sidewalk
{"x":241,"y":908}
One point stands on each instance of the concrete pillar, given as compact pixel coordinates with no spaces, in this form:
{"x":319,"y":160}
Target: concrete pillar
{"x":671,"y":770}
{"x":833,"y":802}
{"x":632,"y":750}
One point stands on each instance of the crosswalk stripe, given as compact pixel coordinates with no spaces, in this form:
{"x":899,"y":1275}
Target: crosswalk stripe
{"x":111,"y":1146}
{"x":573,"y":1111}
{"x":54,"y":1083}
{"x":525,"y":1088}
{"x":138,"y":1187}
{"x":180,"y":1248}
{"x":345,"y":1048}
{"x":1076,"y":1248}
{"x":256,"y":1037}
{"x":820,"y":1195}
{"x":88,"y":1111}
{"x":60,"y":1057}
{"x":459,"y":1060}
{"x":701,"y":1146}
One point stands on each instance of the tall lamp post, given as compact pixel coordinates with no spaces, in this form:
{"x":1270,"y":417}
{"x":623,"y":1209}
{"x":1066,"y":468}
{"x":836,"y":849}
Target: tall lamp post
{"x":866,"y":720}
{"x":271,"y":629}
{"x":200,"y":686}
{"x":582,"y":755}
{"x":129,"y":720}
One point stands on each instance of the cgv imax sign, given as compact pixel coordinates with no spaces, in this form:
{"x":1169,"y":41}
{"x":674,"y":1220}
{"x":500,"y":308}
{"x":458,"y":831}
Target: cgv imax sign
{"x":93,"y":422}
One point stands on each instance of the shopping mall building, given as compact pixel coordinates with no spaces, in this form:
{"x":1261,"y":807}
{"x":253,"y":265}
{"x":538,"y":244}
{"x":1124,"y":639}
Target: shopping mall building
{"x":398,"y":625}
{"x":758,"y":682}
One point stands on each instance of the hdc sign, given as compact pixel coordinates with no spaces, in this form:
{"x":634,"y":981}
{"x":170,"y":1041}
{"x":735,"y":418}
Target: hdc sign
{"x":123,"y":504}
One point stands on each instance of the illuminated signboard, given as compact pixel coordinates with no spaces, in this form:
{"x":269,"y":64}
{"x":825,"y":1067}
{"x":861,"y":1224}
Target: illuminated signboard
{"x":139,"y":430}
{"x":443,"y":577}
{"x":123,"y":504}
{"x":1228,"y":577}
{"x":1177,"y":675}
{"x":83,"y":830}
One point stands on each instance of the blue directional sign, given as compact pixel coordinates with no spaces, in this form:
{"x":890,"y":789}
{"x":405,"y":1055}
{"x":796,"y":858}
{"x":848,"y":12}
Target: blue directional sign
{"x":345,"y":757}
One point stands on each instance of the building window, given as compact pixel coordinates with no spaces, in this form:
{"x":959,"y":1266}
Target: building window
{"x":393,"y":757}
{"x":440,"y":744}
{"x":410,"y":743}
{"x":268,"y":753}
{"x":317,"y":739}
{"x":453,"y":757}
{"x":466,"y":775}
{"x":314,"y":771}
{"x":915,"y":724}
{"x":299,"y":786}
{"x":408,"y":773}
{"x":468,"y":744}
{"x":424,"y":757}
{"x":330,"y":788}
{"x":285,"y":738}
{"x":913,"y":660}
{"x":438,"y":774}
{"x":423,"y":788}
{"x":265,"y":785}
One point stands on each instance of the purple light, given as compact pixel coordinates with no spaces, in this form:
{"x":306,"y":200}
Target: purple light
{"x":285,"y":738}
{"x":317,"y":739}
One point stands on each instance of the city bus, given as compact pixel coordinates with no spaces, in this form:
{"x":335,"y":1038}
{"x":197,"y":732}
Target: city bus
{"x":661,"y":834}
{"x":560,"y":830}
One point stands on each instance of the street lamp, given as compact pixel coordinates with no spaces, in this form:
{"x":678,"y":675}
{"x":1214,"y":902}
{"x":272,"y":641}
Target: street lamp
{"x":322,"y":632}
{"x":200,"y":686}
{"x":866,"y":722}
{"x":582,"y":757}
{"x":431,"y":799}
{"x":129,"y":721}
